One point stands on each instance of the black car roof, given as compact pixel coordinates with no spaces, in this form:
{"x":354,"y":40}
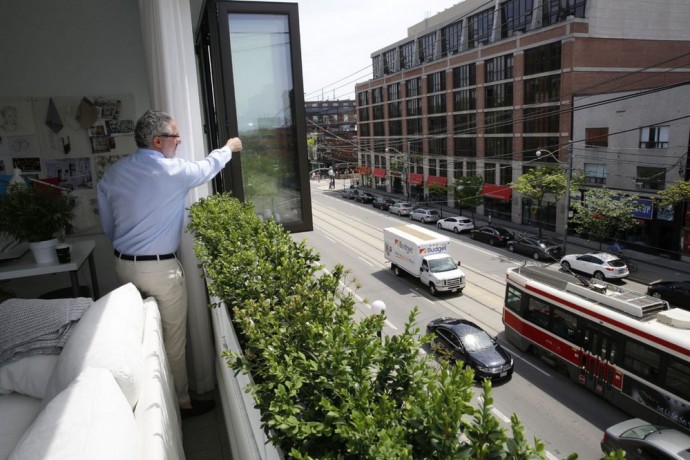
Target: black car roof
{"x":460,"y":327}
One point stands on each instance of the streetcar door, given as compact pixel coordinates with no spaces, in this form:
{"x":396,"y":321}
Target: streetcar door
{"x":596,"y":358}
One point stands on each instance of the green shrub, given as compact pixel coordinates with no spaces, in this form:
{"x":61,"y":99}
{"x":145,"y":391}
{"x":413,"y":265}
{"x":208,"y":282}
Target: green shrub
{"x":325,"y":384}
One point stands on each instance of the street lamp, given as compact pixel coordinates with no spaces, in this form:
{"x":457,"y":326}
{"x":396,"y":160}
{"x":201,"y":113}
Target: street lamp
{"x":406,"y":165}
{"x":568,"y":179}
{"x":378,"y":307}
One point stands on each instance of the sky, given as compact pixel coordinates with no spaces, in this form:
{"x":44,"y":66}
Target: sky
{"x":338,"y":37}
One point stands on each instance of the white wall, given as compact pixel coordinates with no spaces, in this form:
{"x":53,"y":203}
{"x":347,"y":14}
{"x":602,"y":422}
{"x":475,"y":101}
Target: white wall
{"x":52,"y":48}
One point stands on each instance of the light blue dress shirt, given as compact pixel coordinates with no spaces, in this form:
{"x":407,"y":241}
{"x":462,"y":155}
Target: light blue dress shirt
{"x":141,"y":199}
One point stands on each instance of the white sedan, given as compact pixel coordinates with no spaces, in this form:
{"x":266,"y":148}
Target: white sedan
{"x":456,"y":224}
{"x":600,"y":265}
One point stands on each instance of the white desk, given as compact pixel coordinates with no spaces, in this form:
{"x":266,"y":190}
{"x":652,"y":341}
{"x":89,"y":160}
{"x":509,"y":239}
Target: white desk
{"x":26,"y":266}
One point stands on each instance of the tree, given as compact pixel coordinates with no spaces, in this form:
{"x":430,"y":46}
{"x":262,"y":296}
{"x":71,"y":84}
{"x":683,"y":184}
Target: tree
{"x":536,"y":183}
{"x":468,"y":192}
{"x":675,"y":193}
{"x":603,"y":213}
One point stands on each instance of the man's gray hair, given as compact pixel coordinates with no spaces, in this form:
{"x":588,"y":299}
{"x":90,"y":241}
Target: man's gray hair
{"x":150,"y":125}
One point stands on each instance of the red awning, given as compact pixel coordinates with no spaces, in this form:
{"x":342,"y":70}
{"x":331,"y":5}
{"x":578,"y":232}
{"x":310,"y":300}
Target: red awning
{"x":378,"y":172}
{"x":497,"y":192}
{"x":438,"y":180}
{"x":416,"y":178}
{"x":363,"y":169}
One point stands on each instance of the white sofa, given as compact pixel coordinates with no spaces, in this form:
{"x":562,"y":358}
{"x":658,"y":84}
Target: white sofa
{"x":108,"y":395}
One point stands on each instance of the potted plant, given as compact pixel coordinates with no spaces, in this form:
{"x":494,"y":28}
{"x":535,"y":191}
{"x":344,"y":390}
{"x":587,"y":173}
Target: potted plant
{"x":35,"y":213}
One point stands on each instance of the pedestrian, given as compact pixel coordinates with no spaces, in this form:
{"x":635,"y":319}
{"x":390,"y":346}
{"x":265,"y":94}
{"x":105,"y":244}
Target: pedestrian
{"x":141,"y":203}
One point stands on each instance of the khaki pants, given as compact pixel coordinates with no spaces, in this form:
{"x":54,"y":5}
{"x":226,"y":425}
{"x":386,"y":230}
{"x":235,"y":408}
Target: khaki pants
{"x":164,"y":280}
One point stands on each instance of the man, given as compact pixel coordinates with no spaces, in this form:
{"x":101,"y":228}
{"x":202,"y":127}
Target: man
{"x":141,"y":202}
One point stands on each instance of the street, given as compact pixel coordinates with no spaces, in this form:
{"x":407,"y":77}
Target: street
{"x":567,"y":418}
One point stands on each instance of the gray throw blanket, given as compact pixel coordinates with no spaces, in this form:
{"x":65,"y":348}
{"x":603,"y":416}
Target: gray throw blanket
{"x":34,"y":326}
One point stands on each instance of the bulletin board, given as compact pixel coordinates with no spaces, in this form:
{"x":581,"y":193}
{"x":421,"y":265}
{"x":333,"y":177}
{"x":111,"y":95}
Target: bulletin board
{"x":71,"y":140}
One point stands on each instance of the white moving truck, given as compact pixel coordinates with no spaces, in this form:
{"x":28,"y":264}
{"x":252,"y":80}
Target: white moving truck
{"x":424,"y":255}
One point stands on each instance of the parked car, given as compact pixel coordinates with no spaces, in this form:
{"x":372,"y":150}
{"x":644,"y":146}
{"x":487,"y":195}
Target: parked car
{"x":676,"y":293}
{"x":401,"y":208}
{"x":348,"y":193}
{"x":642,"y":440}
{"x":456,"y":224}
{"x":382,"y":202}
{"x":537,"y":248}
{"x":601,"y":265}
{"x":364,"y":197}
{"x":495,"y":236}
{"x":470,"y":344}
{"x":426,"y":216}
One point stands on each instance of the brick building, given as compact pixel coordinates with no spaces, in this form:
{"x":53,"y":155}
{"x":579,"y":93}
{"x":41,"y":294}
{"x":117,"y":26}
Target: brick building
{"x":479,"y":88}
{"x":333,"y":125}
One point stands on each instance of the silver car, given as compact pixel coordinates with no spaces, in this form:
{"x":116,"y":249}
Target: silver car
{"x":456,"y":224}
{"x":640,"y":439}
{"x":401,"y":208}
{"x":426,"y":216}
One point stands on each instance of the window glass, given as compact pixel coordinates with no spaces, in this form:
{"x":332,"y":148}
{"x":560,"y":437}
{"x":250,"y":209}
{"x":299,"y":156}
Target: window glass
{"x":538,"y":312}
{"x":513,"y":300}
{"x":564,"y":324}
{"x":677,"y":378}
{"x":641,"y":359}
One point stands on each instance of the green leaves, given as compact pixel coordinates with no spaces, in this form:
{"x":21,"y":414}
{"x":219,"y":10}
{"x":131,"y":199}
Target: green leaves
{"x":326,"y":385}
{"x":34,"y":213}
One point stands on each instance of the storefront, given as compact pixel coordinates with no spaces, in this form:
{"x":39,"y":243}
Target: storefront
{"x":497,"y":200}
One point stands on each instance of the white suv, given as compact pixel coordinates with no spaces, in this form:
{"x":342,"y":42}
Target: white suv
{"x":427,"y":216}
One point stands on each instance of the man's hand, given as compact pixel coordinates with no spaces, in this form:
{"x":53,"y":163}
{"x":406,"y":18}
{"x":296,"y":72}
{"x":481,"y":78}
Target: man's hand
{"x":234,"y":144}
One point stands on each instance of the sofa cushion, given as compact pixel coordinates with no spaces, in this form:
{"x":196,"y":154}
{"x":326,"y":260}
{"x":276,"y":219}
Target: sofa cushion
{"x":157,"y":414}
{"x":16,"y":414}
{"x":89,"y":419}
{"x":108,"y":336}
{"x":28,"y":376}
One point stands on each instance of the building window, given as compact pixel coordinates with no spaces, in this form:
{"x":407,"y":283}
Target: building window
{"x":465,"y":100}
{"x":500,"y":95}
{"x":545,"y":58}
{"x":426,"y":47}
{"x":650,"y":178}
{"x":377,"y":66}
{"x":450,"y":38}
{"x":506,"y":174}
{"x":498,"y":122}
{"x":407,"y":55}
{"x":437,"y":124}
{"x":543,"y":89}
{"x":499,"y":68}
{"x":395,"y":109}
{"x":471,"y":168}
{"x":389,"y":62}
{"x":414,"y":87}
{"x":490,"y":173}
{"x":479,"y":28}
{"x":414,"y":107}
{"x":414,"y":126}
{"x":437,"y":146}
{"x":542,"y":120}
{"x":363,"y":114}
{"x":395,"y":128}
{"x":465,"y":147}
{"x":436,"y":104}
{"x":363,"y":98}
{"x":377,"y":95}
{"x":517,"y":16}
{"x":555,"y":11}
{"x":458,"y":168}
{"x":597,"y":137}
{"x":595,"y":174}
{"x":465,"y":123}
{"x":436,"y":82}
{"x":379,"y":128}
{"x":465,"y":75}
{"x":499,"y":147}
{"x":363,"y":130}
{"x":654,"y":137}
{"x":394,"y":91}
{"x":378,"y":112}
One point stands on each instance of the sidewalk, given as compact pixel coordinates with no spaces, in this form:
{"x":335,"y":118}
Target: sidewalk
{"x":652,"y":267}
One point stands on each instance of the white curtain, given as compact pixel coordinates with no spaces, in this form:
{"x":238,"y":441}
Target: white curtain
{"x":168,"y":38}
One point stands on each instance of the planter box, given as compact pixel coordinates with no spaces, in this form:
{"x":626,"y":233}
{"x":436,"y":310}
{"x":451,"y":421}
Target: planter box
{"x":242,"y":420}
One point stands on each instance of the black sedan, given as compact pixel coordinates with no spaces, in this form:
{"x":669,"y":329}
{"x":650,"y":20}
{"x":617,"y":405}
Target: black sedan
{"x":676,"y":293}
{"x":495,"y":236}
{"x":382,"y":202}
{"x":470,"y":344}
{"x":537,"y":248}
{"x":364,"y":197}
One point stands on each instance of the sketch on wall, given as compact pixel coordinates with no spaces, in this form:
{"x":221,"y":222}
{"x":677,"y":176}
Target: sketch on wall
{"x":16,"y":117}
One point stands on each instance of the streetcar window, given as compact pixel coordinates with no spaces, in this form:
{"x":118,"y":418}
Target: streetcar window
{"x":564,"y":324}
{"x":642,"y":360}
{"x":513,"y":299}
{"x":677,"y":378}
{"x":538,"y":312}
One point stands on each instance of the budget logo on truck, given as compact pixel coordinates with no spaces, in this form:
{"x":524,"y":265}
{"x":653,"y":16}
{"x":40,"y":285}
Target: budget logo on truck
{"x":403,"y":246}
{"x":436,"y":249}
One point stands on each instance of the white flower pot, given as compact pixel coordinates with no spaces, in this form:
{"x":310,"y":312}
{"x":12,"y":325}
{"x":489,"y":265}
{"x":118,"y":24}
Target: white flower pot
{"x":44,"y":251}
